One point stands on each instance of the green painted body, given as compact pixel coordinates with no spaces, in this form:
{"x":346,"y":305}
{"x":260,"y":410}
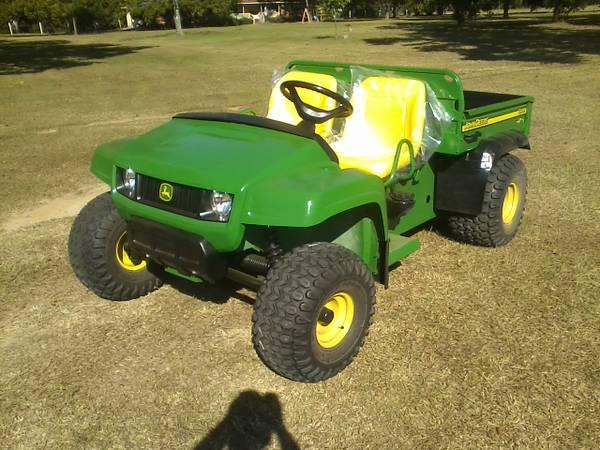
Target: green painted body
{"x":287,"y":183}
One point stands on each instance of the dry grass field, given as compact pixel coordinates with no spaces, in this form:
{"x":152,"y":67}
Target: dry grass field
{"x":471,"y":347}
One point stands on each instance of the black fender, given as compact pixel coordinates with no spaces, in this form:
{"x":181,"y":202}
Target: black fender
{"x":460,"y":181}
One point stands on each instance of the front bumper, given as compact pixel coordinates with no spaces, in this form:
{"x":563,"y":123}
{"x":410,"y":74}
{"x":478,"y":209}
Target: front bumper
{"x":188,"y":253}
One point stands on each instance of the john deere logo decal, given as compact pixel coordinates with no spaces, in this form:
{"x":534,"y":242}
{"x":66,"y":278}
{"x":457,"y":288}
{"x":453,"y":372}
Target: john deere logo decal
{"x":485,"y":121}
{"x":166,"y":192}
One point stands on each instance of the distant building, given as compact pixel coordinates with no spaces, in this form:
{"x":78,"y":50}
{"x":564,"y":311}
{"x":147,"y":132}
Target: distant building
{"x":284,"y":8}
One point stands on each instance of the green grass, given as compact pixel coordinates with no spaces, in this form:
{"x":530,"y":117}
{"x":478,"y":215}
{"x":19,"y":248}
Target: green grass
{"x":471,"y":348}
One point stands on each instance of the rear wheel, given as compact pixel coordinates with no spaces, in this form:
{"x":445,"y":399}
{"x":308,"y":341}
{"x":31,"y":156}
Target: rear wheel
{"x":99,"y":255}
{"x":503,"y":207}
{"x":313,"y":312}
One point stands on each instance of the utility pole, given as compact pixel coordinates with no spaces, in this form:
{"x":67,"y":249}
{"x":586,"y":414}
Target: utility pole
{"x":177,"y":17}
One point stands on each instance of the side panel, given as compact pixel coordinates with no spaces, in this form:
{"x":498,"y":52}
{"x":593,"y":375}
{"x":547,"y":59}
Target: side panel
{"x":359,"y":230}
{"x":490,"y":121}
{"x":422,"y":187}
{"x":309,"y":198}
{"x":460,"y":181}
{"x":362,"y":240}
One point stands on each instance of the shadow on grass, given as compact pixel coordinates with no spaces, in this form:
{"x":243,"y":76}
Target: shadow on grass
{"x":250,"y":423}
{"x":33,"y":56}
{"x":524,"y":40}
{"x":215,"y":293}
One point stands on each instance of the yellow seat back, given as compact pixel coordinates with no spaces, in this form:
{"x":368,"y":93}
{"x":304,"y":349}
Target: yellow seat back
{"x":283,"y":110}
{"x":386,"y":110}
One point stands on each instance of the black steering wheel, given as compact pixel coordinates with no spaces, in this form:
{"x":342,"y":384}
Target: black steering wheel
{"x":313,"y":114}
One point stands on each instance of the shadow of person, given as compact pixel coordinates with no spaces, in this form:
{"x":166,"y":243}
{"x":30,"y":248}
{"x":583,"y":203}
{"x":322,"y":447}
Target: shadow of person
{"x":250,"y":423}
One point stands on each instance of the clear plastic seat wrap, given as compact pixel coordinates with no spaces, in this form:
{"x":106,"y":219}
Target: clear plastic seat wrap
{"x":387,"y":110}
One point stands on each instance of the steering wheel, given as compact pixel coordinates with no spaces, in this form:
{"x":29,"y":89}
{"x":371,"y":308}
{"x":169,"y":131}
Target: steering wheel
{"x":313,"y":114}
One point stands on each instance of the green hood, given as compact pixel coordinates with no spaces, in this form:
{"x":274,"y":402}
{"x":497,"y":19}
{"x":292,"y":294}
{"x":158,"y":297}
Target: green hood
{"x":211,"y":155}
{"x":277,"y":178}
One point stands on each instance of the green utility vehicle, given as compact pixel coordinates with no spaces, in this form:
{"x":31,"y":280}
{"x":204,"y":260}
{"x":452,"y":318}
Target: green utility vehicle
{"x":309,"y":205}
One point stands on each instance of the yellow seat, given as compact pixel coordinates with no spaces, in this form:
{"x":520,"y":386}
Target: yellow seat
{"x":283,"y":110}
{"x":386,"y":110}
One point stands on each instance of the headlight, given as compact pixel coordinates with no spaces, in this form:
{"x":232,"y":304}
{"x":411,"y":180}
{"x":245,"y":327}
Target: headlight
{"x":220,"y":202}
{"x":126,"y":182}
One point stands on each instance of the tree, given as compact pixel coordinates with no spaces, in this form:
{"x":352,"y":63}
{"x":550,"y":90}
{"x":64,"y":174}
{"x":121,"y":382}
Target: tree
{"x":150,"y":10}
{"x":92,"y":15}
{"x":505,"y":8}
{"x":48,"y":12}
{"x":388,"y":7}
{"x":207,"y":12}
{"x":560,"y":8}
{"x":464,"y":9}
{"x":332,"y":8}
{"x":361,"y":8}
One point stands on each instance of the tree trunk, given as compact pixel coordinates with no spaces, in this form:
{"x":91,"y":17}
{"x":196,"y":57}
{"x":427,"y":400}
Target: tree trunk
{"x":459,"y":11}
{"x":74,"y":25}
{"x":177,"y":18}
{"x":506,"y":7}
{"x":556,"y":10}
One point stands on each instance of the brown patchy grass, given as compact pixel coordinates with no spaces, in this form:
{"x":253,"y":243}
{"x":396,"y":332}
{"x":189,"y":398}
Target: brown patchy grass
{"x":471,"y":348}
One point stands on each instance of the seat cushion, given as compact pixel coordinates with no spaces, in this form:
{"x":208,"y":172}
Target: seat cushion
{"x":386,"y":110}
{"x":283,"y":110}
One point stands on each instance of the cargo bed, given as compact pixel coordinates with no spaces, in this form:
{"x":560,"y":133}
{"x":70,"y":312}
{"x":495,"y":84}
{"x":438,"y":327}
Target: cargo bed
{"x":490,"y":113}
{"x":478,"y":99}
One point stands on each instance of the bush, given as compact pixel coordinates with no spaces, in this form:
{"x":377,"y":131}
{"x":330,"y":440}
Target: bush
{"x":280,"y":19}
{"x":241,"y":20}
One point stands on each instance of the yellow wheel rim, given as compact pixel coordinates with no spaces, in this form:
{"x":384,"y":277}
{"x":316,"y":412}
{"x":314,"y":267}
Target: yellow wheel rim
{"x":511,"y":203}
{"x":123,"y":257}
{"x":335,"y":320}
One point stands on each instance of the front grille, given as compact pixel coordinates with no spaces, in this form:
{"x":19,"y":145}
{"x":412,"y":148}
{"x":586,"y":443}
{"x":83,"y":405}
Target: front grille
{"x":186,"y":200}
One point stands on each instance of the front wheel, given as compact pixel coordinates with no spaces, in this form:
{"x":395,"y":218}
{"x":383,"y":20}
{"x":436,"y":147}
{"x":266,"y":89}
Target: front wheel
{"x":313,"y":312}
{"x":99,"y":256}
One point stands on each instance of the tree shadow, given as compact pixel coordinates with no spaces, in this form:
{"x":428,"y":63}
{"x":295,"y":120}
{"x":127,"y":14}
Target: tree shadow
{"x":585,"y":20}
{"x":33,"y":56}
{"x":250,"y":423}
{"x":523,"y":40}
{"x":219,"y":293}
